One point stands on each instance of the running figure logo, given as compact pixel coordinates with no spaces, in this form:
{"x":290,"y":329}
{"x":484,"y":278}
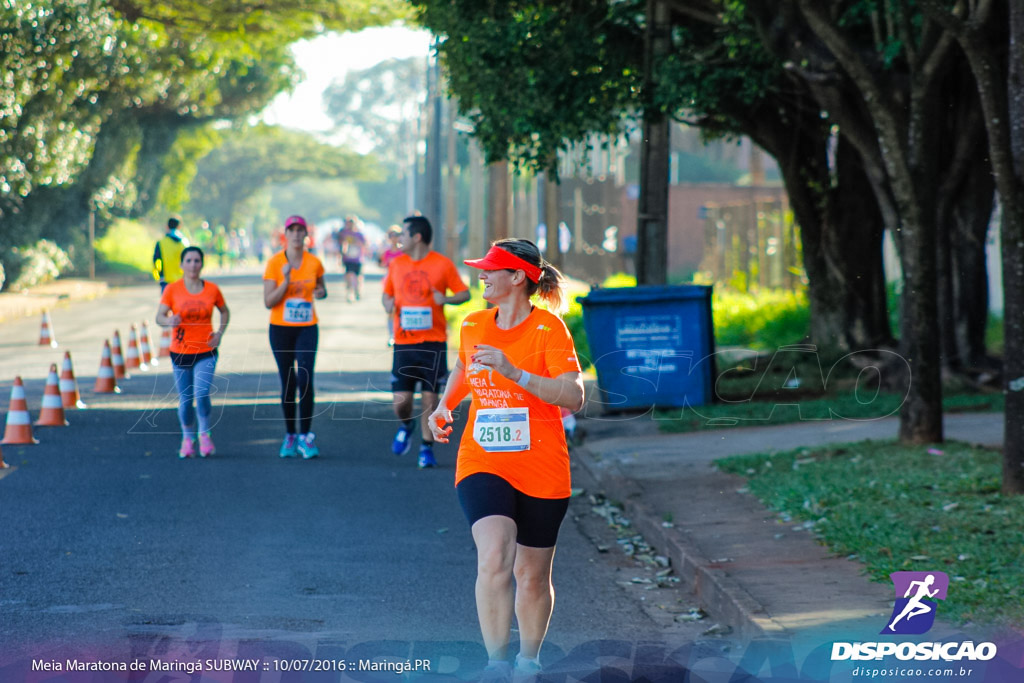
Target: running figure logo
{"x":914,"y":612}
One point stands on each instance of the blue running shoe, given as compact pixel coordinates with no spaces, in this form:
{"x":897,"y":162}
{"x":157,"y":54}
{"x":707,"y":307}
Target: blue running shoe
{"x":288,"y":446}
{"x":426,"y":457}
{"x":306,"y":446}
{"x":402,"y":441}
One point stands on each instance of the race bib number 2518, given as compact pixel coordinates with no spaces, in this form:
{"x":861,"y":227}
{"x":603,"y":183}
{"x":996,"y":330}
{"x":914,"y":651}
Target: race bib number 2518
{"x":502,"y":429}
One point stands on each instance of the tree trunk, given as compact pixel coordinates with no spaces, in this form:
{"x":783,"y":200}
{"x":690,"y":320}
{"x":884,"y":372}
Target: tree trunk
{"x":963,"y":211}
{"x":498,"y":200}
{"x":652,"y":214}
{"x":841,"y":230}
{"x":160,"y":131}
{"x":554,"y":254}
{"x":971,"y":218}
{"x":1013,"y":266}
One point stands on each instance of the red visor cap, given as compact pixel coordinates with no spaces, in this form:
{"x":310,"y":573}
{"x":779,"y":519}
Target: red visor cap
{"x":500,"y":259}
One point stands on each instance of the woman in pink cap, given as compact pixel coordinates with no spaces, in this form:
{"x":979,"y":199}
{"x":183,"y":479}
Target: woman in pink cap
{"x":293,"y":278}
{"x":519,"y":364}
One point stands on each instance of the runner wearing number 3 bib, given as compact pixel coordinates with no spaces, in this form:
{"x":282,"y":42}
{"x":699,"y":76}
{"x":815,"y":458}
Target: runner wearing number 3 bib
{"x":292,"y":280}
{"x":416,"y":290}
{"x":519,"y":365}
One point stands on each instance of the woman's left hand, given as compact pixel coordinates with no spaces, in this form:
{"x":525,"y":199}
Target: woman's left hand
{"x":493,"y":357}
{"x":214,"y":340}
{"x":320,"y":292}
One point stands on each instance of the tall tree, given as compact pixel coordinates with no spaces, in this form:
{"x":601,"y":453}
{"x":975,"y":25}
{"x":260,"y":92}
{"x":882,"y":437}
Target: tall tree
{"x":380,"y":108}
{"x":251,"y":159}
{"x":991,"y":35}
{"x":536,"y":78}
{"x":98,"y":92}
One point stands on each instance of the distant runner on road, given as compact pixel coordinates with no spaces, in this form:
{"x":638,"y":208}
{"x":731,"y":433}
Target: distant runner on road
{"x":352,"y":243}
{"x":293,"y":278}
{"x":167,"y":255}
{"x":393,"y":251}
{"x":415,"y":292}
{"x":519,"y":364}
{"x":187,"y":306}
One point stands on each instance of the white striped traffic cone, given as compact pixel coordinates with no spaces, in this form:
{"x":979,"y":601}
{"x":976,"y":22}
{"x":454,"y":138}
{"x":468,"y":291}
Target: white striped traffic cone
{"x":132,"y":357}
{"x":69,"y":395}
{"x":19,"y":424}
{"x":46,"y":337}
{"x":165,"y":343}
{"x":117,"y":357}
{"x":106,"y":382}
{"x":51,"y":412}
{"x":145,"y":346}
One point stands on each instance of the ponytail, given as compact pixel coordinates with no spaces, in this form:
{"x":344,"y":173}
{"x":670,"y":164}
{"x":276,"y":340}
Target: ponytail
{"x":551,"y":285}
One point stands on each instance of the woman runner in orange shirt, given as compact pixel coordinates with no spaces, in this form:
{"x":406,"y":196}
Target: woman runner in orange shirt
{"x":293,"y":278}
{"x":187,"y":306}
{"x":512,"y":475}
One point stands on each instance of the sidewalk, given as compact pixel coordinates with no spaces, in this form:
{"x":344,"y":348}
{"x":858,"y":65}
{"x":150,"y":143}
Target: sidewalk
{"x":45,"y":297}
{"x":750,"y":570}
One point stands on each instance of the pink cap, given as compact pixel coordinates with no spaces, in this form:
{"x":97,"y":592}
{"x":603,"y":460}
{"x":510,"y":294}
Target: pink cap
{"x":294,"y":220}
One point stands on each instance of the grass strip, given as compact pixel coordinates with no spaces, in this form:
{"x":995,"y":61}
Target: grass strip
{"x":905,"y":508}
{"x":753,"y":413}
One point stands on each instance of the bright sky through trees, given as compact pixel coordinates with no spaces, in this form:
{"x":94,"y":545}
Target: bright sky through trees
{"x":327,"y":58}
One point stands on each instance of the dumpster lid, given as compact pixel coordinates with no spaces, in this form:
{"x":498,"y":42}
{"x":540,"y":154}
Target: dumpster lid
{"x":646,"y":293}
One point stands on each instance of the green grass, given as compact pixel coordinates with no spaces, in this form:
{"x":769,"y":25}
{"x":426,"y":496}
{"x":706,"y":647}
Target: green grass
{"x":842,"y":406}
{"x":759,"y":414}
{"x":127,"y":249}
{"x":767,"y":319}
{"x":897,"y":508}
{"x":796,"y":384}
{"x":994,"y":335}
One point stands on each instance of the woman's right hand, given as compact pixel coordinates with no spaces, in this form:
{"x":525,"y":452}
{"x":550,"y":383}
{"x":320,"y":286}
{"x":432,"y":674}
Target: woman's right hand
{"x":174,"y":320}
{"x":437,"y":421}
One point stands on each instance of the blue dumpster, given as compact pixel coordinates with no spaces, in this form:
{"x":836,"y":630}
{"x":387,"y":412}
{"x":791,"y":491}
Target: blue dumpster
{"x":651,"y":346}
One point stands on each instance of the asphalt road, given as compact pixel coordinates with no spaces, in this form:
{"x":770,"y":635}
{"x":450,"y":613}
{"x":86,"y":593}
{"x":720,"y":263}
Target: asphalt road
{"x":114,"y":550}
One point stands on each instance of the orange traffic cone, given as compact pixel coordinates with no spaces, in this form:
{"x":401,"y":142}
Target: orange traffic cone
{"x":19,"y":424}
{"x":165,"y":343}
{"x":145,"y":346}
{"x":45,"y":335}
{"x":132,"y":357}
{"x":117,"y":357}
{"x":69,"y":396}
{"x":106,"y":382}
{"x":51,"y":412}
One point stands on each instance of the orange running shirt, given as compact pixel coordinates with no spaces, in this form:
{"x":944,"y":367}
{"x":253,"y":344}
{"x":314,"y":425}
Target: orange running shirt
{"x":511,"y":433}
{"x":412,"y":284}
{"x":296,"y":308}
{"x":196,"y":311}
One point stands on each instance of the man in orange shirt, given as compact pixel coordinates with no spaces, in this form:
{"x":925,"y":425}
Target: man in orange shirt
{"x":415,"y":292}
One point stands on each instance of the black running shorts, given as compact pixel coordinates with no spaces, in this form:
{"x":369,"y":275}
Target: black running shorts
{"x":425,"y":364}
{"x":537,"y":519}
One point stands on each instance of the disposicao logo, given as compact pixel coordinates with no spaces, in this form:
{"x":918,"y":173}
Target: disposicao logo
{"x":916,"y":592}
{"x":914,"y":614}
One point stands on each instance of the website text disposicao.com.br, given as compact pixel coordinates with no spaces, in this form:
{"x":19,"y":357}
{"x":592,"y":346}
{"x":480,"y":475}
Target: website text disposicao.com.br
{"x":952,"y":654}
{"x":911,"y":672}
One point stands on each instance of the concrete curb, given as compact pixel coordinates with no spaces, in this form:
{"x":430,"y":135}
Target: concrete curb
{"x":47,"y":297}
{"x":719,"y":594}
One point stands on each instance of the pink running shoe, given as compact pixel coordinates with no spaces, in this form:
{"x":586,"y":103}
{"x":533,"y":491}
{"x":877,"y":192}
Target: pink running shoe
{"x":188,"y":447}
{"x":206,"y":446}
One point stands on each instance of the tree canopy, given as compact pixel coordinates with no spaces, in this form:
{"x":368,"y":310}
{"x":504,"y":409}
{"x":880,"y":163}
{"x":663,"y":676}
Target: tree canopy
{"x":856,"y":99}
{"x":96,"y":94}
{"x":251,"y":159}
